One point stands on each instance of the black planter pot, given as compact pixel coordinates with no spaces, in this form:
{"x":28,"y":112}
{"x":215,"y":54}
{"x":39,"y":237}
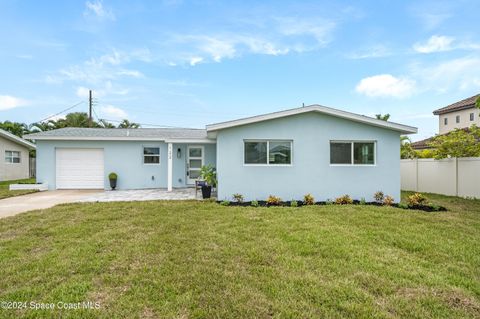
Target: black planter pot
{"x":206,"y":191}
{"x":113,"y":183}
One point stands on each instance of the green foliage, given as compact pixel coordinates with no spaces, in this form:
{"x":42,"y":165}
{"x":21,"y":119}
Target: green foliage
{"x":328,"y":202}
{"x":238,"y":198}
{"x":209,"y":175}
{"x":225,"y":203}
{"x":254,"y":203}
{"x":417,"y":199}
{"x":384,"y":117}
{"x":16,"y":128}
{"x":308,"y":199}
{"x":343,"y":200}
{"x":363,"y":201}
{"x":426,"y":153}
{"x":378,"y":196}
{"x":406,"y":150}
{"x":477,"y":103}
{"x":402,"y":205}
{"x":273,"y":200}
{"x":127,"y":124}
{"x":112,"y":176}
{"x":293,"y":203}
{"x":388,"y":200}
{"x":458,"y":143}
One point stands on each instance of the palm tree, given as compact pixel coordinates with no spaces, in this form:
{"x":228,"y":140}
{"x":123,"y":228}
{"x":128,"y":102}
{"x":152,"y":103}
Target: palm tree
{"x":382,"y":117}
{"x":105,"y":124}
{"x":16,"y":128}
{"x":42,"y":126}
{"x":127,"y":124}
{"x":77,"y":119}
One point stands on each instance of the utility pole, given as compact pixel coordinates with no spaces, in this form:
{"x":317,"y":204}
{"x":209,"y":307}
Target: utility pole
{"x":90,"y":101}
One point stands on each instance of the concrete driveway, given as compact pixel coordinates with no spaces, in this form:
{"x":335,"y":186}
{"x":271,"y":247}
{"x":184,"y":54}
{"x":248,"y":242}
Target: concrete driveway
{"x":19,"y":204}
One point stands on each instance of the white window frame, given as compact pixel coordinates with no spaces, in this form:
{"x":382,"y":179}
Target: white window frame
{"x":11,"y":157}
{"x":143,"y":155}
{"x":352,"y":159}
{"x":268,"y":151}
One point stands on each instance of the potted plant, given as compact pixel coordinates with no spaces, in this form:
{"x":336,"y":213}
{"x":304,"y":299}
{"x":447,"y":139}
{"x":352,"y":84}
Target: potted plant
{"x":113,"y":180}
{"x":209,"y":175}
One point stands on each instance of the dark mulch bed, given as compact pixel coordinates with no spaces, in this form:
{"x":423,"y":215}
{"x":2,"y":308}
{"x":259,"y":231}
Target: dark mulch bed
{"x":425,"y":208}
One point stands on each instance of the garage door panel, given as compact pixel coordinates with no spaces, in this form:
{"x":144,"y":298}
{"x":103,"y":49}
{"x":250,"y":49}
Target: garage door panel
{"x":80,"y":168}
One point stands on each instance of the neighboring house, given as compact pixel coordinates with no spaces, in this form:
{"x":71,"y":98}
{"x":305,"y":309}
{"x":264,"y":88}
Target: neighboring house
{"x":313,"y":149}
{"x":461,"y":114}
{"x":16,"y":159}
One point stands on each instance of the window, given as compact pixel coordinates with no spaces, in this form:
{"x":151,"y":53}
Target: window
{"x":12,"y":157}
{"x":268,"y":152}
{"x":151,"y":155}
{"x":445,"y":121}
{"x":457,"y":118}
{"x":352,"y":153}
{"x":471,"y":116}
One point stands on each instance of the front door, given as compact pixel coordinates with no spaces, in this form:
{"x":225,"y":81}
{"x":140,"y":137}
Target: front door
{"x":194,"y":163}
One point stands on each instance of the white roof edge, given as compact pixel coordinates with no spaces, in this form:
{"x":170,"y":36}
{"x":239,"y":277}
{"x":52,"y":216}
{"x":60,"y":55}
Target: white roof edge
{"x":100,"y":138}
{"x":19,"y":140}
{"x":404,"y":129}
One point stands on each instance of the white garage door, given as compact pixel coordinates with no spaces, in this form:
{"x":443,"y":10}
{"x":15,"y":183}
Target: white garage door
{"x":79,"y":168}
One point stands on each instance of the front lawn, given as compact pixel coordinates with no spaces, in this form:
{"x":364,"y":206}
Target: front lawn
{"x":5,"y":192}
{"x":203,"y":260}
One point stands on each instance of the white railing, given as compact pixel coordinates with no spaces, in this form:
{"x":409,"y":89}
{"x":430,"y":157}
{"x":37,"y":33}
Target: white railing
{"x":450,"y":176}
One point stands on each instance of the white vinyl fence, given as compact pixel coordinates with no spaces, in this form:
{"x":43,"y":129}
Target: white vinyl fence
{"x":450,"y":176}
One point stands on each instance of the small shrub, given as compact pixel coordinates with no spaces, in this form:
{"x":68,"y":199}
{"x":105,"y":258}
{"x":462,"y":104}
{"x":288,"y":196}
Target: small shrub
{"x":402,"y":205}
{"x":225,"y":203}
{"x":416,"y":199}
{"x":388,"y":200}
{"x":238,"y":198}
{"x":343,"y":200}
{"x":308,"y":199}
{"x":435,"y":207}
{"x":293,"y":203}
{"x":328,"y":202}
{"x":254,"y":203}
{"x":362,"y":201}
{"x":112,"y":176}
{"x":378,"y":196}
{"x":273,"y":200}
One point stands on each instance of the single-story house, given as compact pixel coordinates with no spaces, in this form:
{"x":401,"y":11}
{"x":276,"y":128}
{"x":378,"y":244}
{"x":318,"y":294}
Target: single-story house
{"x":16,"y":160}
{"x":313,"y":149}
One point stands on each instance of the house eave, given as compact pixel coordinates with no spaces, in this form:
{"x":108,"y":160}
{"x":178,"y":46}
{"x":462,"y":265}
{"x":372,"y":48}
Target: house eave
{"x":403,"y":129}
{"x":13,"y":138}
{"x":99,"y":138}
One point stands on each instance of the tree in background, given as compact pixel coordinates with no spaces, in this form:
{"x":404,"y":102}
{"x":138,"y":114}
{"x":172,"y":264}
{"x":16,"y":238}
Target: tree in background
{"x":457,"y":143}
{"x":16,"y":128}
{"x":477,"y":104}
{"x":104,"y":124}
{"x":384,"y":117}
{"x":128,"y":124}
{"x":406,"y":150}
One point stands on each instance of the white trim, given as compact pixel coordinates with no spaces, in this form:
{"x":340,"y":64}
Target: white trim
{"x":352,"y":150}
{"x":159,"y":153}
{"x":268,"y":152}
{"x":202,"y":158}
{"x":124,"y":138}
{"x":16,"y":139}
{"x":170,"y":167}
{"x":404,"y":129}
{"x":192,"y":141}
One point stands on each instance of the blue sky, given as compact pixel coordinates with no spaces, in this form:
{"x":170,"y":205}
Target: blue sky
{"x":191,"y":63}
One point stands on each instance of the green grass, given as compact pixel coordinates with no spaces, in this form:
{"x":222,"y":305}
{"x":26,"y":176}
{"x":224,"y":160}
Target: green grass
{"x":5,"y":192}
{"x":203,"y":260}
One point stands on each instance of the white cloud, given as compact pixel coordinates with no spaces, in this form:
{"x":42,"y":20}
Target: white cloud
{"x":8,"y":102}
{"x":385,"y":85}
{"x":320,"y":29}
{"x":97,"y":9}
{"x":195,"y":60}
{"x":436,"y":43}
{"x":112,"y":112}
{"x":456,"y":74}
{"x":82,"y":92}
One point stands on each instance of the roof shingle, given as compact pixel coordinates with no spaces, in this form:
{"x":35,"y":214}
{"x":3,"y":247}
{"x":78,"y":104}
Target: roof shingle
{"x":457,"y":106}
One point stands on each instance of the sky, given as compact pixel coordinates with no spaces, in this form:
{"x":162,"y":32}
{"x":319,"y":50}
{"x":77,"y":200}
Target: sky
{"x":191,"y":63}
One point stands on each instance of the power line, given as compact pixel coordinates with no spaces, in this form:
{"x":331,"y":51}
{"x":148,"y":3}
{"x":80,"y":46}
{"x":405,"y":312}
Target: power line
{"x":67,"y":109}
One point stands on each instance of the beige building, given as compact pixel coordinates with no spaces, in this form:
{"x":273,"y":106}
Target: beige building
{"x":461,"y":114}
{"x":14,"y":156}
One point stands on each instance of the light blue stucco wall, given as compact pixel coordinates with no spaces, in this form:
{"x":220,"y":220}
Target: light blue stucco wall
{"x":310,"y":171}
{"x":126,"y":159}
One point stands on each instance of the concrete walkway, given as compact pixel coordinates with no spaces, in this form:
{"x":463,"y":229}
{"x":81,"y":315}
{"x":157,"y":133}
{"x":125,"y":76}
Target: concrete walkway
{"x":142,"y":195}
{"x":19,"y":204}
